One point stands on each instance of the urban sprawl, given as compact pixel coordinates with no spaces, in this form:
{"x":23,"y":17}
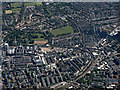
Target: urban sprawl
{"x":60,"y":45}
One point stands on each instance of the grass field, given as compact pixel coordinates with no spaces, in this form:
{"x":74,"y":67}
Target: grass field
{"x":16,"y":10}
{"x":63,"y":30}
{"x":39,"y":3}
{"x":1,"y":12}
{"x":28,"y":4}
{"x":8,"y":11}
{"x":49,"y":12}
{"x":15,"y":5}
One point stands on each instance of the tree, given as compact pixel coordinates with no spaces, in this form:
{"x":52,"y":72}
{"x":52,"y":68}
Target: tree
{"x":31,"y":42}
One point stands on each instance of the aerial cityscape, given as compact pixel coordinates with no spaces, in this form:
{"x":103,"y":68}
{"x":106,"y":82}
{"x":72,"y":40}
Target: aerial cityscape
{"x":60,"y":45}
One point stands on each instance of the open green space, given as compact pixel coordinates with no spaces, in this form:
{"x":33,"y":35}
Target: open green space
{"x":50,"y":13}
{"x":16,"y":10}
{"x":38,"y":3}
{"x":1,"y":12}
{"x":62,"y":31}
{"x":29,"y":4}
{"x":24,"y":38}
{"x":15,"y":4}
